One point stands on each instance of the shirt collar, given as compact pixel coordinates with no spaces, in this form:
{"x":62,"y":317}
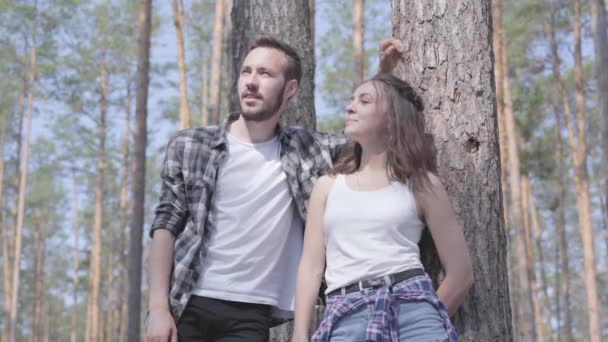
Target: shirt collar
{"x":219,"y":137}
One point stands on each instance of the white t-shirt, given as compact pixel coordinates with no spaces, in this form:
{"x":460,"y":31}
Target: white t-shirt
{"x":256,"y":242}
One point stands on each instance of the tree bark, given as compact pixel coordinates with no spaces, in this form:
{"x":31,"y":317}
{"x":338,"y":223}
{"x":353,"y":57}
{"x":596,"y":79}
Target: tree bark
{"x":75,"y":279}
{"x":93,"y":323}
{"x":536,"y":303}
{"x":560,"y":217}
{"x":358,"y":24}
{"x":216,"y":62}
{"x":290,"y":22}
{"x":178,"y":20}
{"x":13,"y":314}
{"x":499,"y":67}
{"x":448,"y":59}
{"x":139,"y":170}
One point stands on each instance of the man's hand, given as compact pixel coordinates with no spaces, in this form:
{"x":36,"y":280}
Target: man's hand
{"x":391,"y":51}
{"x":161,"y":327}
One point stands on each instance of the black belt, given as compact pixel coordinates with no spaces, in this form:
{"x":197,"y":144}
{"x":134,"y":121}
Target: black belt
{"x":388,"y":280}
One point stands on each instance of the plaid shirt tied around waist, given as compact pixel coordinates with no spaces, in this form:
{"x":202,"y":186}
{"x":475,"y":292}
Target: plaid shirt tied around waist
{"x":382,"y":326}
{"x":188,"y":177}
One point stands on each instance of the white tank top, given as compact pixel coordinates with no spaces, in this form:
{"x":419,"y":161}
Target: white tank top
{"x":369,"y":234}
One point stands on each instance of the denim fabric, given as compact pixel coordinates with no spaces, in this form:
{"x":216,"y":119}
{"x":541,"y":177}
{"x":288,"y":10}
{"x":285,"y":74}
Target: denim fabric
{"x":408,"y":311}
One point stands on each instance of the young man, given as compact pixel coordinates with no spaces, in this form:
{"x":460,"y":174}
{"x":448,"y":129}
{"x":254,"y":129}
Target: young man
{"x":227,"y":235}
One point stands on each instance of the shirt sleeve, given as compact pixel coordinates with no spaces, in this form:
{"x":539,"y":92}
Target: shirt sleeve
{"x":330,"y":142}
{"x":172,"y":213}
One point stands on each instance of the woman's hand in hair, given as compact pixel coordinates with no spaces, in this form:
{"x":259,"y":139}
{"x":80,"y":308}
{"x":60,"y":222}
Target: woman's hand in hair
{"x":390,"y":52}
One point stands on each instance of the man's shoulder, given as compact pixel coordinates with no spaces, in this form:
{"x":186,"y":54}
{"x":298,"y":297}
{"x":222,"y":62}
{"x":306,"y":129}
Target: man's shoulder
{"x":306,"y":134}
{"x":200,"y":135}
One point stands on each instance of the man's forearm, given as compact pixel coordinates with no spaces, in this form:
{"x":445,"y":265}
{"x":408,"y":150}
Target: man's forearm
{"x":161,"y":261}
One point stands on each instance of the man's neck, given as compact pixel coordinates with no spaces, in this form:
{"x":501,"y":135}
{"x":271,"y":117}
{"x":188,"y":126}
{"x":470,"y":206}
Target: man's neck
{"x":253,"y":131}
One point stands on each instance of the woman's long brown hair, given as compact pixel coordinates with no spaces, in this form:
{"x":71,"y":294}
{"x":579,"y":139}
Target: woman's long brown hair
{"x":410,"y":151}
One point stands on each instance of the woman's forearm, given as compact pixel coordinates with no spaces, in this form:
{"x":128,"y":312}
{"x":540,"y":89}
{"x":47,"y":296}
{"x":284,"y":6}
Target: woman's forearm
{"x":454,"y":289}
{"x":307,"y":290}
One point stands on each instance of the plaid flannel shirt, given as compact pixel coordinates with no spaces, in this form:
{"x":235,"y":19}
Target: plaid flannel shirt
{"x":188,"y":177}
{"x":382,"y":325}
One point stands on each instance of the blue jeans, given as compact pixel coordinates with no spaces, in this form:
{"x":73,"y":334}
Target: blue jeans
{"x":418,"y":321}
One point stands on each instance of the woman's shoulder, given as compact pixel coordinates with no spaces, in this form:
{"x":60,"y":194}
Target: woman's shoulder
{"x":324,"y":184}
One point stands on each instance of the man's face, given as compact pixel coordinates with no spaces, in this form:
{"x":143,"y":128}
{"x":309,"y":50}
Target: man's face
{"x":261,"y":83}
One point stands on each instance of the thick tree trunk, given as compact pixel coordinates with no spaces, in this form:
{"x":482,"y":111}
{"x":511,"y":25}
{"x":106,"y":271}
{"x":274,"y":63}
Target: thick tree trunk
{"x":448,"y":59}
{"x":123,"y":276}
{"x":75,"y":278}
{"x":536,"y":303}
{"x":93,"y":323}
{"x":358,"y":24}
{"x":178,"y":20}
{"x":12,"y":317}
{"x":289,"y":21}
{"x":139,"y":170}
{"x":216,"y":62}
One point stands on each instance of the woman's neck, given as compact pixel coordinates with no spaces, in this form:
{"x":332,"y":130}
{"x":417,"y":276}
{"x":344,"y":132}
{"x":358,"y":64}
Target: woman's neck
{"x":373,"y":158}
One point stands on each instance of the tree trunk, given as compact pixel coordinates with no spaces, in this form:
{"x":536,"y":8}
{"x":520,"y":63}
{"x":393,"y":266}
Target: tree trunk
{"x":599,"y":23}
{"x":525,"y":329}
{"x":75,"y":279}
{"x":178,"y":20}
{"x":40,"y":241}
{"x":139,"y":170}
{"x":578,"y":148}
{"x":216,"y":62}
{"x":358,"y":54}
{"x":499,"y":67}
{"x":109,"y":334}
{"x":123,"y":276}
{"x":312,"y":10}
{"x":4,"y":226}
{"x":448,"y":59}
{"x":289,"y":21}
{"x":536,"y":232}
{"x":205,"y":95}
{"x":536,"y":303}
{"x":13,"y":314}
{"x":560,"y":217}
{"x":93,"y":323}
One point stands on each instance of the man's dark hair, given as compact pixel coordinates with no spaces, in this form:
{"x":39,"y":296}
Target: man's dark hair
{"x":293,"y":70}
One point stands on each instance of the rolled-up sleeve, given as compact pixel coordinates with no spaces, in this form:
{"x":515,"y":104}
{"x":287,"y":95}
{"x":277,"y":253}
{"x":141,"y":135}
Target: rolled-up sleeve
{"x":172,"y":211}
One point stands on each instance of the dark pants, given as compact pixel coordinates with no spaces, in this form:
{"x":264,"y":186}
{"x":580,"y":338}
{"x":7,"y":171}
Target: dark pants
{"x":213,"y":320}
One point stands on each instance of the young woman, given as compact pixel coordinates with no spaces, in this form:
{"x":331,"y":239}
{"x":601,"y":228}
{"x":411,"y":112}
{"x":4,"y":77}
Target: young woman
{"x":364,"y":224}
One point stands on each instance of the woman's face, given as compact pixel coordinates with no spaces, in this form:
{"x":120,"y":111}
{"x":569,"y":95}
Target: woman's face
{"x":365,"y":117}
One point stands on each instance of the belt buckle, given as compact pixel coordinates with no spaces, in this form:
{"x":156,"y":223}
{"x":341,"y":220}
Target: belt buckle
{"x":377,"y":282}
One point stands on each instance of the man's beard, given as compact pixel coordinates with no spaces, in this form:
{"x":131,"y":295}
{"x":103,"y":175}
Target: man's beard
{"x":264,"y":114}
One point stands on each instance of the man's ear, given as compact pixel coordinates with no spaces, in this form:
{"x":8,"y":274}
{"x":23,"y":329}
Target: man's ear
{"x":292,"y":88}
